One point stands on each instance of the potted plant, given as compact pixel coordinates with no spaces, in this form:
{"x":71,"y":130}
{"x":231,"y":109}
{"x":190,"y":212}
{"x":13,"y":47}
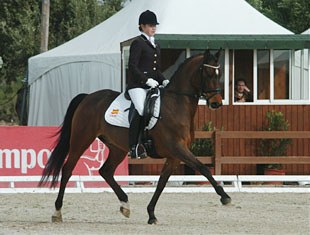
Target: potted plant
{"x":203,"y":147}
{"x":275,"y":121}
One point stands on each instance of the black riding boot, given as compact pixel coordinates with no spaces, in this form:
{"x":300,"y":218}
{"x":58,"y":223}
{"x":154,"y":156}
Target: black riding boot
{"x":136,"y":150}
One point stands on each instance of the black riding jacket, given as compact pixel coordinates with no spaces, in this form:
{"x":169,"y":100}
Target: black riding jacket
{"x":144,"y":62}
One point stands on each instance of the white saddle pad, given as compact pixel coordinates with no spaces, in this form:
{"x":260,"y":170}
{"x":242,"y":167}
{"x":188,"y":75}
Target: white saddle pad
{"x":117,"y":113}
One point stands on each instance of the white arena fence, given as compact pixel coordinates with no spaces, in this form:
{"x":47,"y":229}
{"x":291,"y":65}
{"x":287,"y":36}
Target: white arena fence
{"x":176,"y":184}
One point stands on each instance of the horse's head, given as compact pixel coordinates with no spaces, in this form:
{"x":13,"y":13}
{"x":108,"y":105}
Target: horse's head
{"x":210,"y":73}
{"x":199,"y":76}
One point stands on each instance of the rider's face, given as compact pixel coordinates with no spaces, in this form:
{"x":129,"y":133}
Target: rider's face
{"x":149,"y":29}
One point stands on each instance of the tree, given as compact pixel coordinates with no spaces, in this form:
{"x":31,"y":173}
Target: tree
{"x":20,"y":37}
{"x":19,"y":22}
{"x":291,"y":14}
{"x":72,"y":17}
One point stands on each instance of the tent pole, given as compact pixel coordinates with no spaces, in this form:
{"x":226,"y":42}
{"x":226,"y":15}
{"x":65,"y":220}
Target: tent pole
{"x":24,"y":101}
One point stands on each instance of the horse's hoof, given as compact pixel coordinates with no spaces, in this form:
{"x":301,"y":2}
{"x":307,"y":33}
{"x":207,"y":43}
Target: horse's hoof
{"x":125,"y":211}
{"x":57,"y":219}
{"x":226,"y":200}
{"x":152,"y":221}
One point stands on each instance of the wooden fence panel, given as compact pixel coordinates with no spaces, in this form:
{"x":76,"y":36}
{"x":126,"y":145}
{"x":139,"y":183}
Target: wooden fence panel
{"x":251,"y":118}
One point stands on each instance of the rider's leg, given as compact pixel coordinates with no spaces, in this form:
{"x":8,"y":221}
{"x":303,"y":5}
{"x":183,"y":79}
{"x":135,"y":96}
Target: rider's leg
{"x":134,"y":131}
{"x":137,"y":96}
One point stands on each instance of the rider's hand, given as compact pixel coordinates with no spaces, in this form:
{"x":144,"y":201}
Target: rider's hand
{"x":165,"y":82}
{"x":151,"y":83}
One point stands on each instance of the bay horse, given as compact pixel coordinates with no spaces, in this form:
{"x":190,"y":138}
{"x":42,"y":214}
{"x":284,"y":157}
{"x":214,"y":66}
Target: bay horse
{"x":172,"y":135}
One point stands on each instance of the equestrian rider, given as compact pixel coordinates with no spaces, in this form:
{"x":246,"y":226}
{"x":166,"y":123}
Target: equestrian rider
{"x":144,"y":73}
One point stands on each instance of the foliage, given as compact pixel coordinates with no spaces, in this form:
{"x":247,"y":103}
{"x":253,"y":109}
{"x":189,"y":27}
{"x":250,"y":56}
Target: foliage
{"x":275,"y":121}
{"x":19,"y":22}
{"x":203,"y":147}
{"x":70,"y":18}
{"x":291,"y":14}
{"x":19,"y":31}
{"x":6,"y":109}
{"x":20,"y":37}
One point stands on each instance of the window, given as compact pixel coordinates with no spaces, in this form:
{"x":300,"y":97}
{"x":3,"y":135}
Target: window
{"x":300,"y":72}
{"x":263,"y":74}
{"x":281,"y":72}
{"x":171,"y":59}
{"x":125,"y":59}
{"x":243,"y":76}
{"x":274,"y":76}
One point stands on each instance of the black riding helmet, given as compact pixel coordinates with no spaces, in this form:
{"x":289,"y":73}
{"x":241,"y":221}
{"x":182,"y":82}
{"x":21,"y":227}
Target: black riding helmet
{"x":148,"y":17}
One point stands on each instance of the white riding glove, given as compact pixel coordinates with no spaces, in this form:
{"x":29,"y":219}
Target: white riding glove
{"x":151,"y":83}
{"x":165,"y":82}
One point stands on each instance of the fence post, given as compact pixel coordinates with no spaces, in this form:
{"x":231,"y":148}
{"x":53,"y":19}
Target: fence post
{"x":218,"y":152}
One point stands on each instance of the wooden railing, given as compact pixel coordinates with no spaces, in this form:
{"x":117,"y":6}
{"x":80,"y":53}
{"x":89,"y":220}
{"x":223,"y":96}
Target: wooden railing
{"x":218,"y":160}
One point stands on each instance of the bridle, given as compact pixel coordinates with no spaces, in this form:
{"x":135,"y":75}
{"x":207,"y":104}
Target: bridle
{"x":213,"y":67}
{"x":203,"y":93}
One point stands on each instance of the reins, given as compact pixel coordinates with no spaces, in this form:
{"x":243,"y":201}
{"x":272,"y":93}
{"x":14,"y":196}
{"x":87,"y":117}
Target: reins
{"x":193,"y":96}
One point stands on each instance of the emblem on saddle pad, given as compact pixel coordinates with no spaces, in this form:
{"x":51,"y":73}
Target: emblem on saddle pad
{"x":117,"y":113}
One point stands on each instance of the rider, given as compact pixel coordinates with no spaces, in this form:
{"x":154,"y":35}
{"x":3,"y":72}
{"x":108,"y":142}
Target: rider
{"x":144,"y":73}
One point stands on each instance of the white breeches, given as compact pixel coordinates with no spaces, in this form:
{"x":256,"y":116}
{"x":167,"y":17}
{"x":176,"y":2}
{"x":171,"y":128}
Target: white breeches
{"x":138,"y":96}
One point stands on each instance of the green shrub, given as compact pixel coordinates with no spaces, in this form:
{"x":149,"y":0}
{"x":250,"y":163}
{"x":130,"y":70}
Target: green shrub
{"x":203,"y":147}
{"x":275,"y":121}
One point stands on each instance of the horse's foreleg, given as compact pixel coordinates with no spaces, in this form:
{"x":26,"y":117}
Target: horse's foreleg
{"x":116,"y":156}
{"x":189,"y":159}
{"x":167,"y":170}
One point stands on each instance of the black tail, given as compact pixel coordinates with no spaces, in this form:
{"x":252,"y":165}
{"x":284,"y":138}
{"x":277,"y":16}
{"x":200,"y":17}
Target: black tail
{"x":59,"y":154}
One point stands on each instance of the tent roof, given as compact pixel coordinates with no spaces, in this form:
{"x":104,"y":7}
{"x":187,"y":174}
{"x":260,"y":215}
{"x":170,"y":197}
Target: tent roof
{"x":175,"y":17}
{"x":192,"y":17}
{"x":188,"y":17}
{"x":306,"y":32}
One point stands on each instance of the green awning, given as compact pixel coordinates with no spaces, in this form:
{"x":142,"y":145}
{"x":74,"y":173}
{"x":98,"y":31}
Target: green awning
{"x":179,"y":41}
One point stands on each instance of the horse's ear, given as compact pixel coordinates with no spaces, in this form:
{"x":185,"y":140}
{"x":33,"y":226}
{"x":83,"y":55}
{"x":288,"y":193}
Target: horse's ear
{"x":206,"y":56}
{"x":207,"y":53}
{"x":218,"y":53}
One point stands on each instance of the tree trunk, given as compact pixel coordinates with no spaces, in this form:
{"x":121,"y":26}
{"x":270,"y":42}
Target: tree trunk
{"x":45,"y":25}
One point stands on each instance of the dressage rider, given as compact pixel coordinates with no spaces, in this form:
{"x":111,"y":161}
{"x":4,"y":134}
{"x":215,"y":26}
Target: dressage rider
{"x":144,"y":73}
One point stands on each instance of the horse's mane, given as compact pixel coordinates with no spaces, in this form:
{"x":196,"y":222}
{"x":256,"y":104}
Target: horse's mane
{"x":180,"y":68}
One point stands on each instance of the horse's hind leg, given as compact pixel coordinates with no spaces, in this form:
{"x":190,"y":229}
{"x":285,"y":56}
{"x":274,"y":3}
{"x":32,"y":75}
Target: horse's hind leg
{"x":77,"y":147}
{"x":116,"y":156}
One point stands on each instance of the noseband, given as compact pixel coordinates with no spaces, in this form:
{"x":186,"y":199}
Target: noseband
{"x":203,"y":92}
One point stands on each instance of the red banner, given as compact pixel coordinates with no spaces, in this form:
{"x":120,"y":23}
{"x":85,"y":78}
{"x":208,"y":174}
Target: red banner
{"x":25,"y":151}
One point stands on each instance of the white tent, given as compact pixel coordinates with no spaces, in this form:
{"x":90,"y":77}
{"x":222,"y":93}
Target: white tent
{"x":92,"y":60}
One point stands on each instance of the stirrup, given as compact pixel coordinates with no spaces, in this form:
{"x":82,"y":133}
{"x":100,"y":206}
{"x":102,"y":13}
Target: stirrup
{"x":137,"y":152}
